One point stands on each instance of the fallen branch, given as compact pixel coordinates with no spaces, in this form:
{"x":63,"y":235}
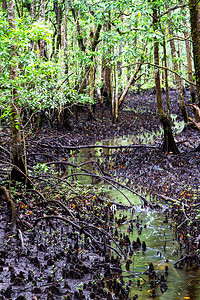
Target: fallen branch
{"x":145,"y":201}
{"x":196,"y":111}
{"x":106,"y":146}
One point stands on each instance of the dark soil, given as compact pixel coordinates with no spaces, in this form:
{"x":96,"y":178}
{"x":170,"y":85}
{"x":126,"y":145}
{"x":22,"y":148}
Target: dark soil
{"x":64,"y":252}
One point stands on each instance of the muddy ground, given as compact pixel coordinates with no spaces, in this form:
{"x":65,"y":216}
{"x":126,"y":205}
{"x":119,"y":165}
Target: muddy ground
{"x":63,"y":249}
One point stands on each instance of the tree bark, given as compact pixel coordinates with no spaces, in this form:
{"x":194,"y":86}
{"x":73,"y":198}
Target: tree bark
{"x":32,"y":11}
{"x":66,"y":43}
{"x":4,"y":5}
{"x":42,"y":42}
{"x":195,"y":32}
{"x":107,"y":88}
{"x":116,"y":112}
{"x":59,"y":14}
{"x":169,"y":144}
{"x":17,"y":153}
{"x":130,"y":83}
{"x":166,"y":77}
{"x":189,"y":58}
{"x":175,"y":65}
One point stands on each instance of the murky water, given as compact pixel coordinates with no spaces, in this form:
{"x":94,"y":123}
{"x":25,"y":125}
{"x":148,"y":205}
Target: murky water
{"x":181,"y":284}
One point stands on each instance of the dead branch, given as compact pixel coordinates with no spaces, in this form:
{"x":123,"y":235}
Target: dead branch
{"x":106,"y":146}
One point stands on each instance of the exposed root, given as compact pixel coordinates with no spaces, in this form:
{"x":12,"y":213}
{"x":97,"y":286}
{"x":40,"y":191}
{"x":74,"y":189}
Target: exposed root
{"x":81,"y":229}
{"x":188,"y":259}
{"x":10,"y":205}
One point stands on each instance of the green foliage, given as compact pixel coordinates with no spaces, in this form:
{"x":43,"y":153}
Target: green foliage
{"x":41,"y":83}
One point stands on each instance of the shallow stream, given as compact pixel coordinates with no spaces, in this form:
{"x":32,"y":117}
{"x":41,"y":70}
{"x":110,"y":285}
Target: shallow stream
{"x":155,"y":232}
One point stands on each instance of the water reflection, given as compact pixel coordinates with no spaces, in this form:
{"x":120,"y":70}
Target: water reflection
{"x":181,"y":284}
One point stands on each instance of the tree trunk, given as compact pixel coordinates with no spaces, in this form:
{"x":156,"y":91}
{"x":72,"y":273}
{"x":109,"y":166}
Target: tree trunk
{"x":166,"y":77}
{"x":17,"y":153}
{"x":175,"y":67}
{"x":58,"y":13}
{"x":66,"y":43}
{"x":116,"y":108}
{"x":195,"y":32}
{"x":107,"y":88}
{"x":107,"y":82}
{"x":189,"y":66}
{"x":94,"y":40}
{"x":4,"y":5}
{"x":42,"y":42}
{"x":169,"y":144}
{"x":130,"y":83}
{"x":32,"y":12}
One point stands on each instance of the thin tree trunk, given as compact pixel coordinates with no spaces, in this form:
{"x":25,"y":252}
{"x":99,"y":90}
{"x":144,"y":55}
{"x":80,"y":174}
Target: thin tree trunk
{"x":169,"y":144}
{"x":4,"y":5}
{"x":94,"y":40}
{"x":58,"y":13}
{"x":33,"y":5}
{"x":195,"y":32}
{"x":66,"y":44}
{"x":15,"y":111}
{"x":166,"y":78}
{"x":107,"y":88}
{"x":130,"y":83}
{"x":189,"y":67}
{"x":116,"y":94}
{"x":78,"y":28}
{"x":42,"y":42}
{"x":175,"y":66}
{"x":91,"y":82}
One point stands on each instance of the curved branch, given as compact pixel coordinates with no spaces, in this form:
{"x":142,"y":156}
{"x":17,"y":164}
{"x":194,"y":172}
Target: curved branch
{"x":58,"y":203}
{"x":103,"y":178}
{"x":164,"y":68}
{"x":105,"y":233}
{"x":76,"y":226}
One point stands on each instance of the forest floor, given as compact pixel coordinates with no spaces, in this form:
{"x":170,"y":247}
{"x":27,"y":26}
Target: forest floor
{"x":61,"y":247}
